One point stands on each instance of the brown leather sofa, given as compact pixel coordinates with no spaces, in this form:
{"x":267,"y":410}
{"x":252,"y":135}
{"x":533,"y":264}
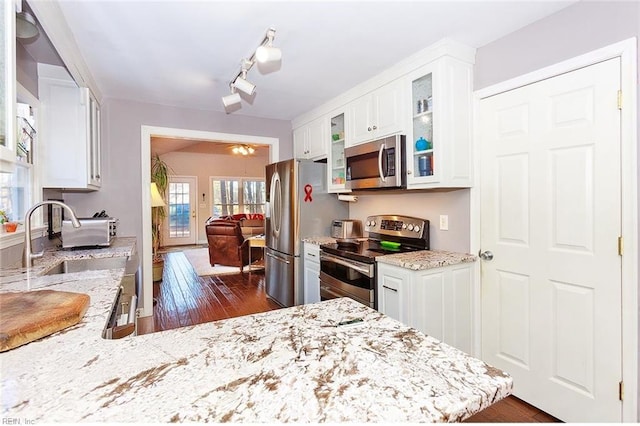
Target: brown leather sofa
{"x":227,"y":246}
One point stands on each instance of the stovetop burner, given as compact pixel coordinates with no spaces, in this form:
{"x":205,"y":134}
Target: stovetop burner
{"x":364,"y":251}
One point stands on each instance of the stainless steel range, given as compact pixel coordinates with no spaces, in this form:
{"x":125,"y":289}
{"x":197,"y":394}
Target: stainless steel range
{"x":349,"y":269}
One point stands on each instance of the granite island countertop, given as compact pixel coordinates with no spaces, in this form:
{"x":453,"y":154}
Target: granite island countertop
{"x":291,"y":364}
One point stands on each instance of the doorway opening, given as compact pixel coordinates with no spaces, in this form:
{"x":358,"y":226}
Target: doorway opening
{"x":227,"y":140}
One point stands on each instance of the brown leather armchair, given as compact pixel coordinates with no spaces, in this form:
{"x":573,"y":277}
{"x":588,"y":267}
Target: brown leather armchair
{"x":228,"y":247}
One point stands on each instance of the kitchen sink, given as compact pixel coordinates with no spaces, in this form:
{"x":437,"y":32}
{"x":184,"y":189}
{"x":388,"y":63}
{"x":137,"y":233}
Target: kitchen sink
{"x":91,"y":264}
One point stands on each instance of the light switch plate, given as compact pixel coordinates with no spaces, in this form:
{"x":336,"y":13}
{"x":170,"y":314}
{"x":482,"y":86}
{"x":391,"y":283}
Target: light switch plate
{"x":444,"y":222}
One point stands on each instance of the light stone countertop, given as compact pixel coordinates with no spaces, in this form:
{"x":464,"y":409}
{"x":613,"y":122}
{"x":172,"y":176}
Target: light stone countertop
{"x":426,"y":259}
{"x":121,"y":246}
{"x":415,"y":260}
{"x":318,"y":240}
{"x":288,"y":365}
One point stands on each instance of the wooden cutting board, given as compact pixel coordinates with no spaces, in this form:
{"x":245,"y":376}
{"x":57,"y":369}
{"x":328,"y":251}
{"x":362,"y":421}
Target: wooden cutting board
{"x":28,"y":316}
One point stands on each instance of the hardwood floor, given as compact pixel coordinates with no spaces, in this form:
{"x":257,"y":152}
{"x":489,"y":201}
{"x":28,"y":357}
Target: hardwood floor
{"x":512,"y":410}
{"x":183,"y":298}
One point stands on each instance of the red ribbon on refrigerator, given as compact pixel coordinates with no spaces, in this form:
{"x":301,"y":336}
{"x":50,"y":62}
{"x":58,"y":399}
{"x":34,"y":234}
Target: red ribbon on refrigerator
{"x":308,"y":189}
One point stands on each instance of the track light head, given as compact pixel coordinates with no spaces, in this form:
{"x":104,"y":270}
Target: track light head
{"x":232,"y":99}
{"x":243,"y":85}
{"x":266,"y":52}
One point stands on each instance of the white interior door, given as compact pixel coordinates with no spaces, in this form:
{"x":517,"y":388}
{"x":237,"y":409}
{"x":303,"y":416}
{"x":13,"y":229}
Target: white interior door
{"x":551,"y":216}
{"x":181,"y":220}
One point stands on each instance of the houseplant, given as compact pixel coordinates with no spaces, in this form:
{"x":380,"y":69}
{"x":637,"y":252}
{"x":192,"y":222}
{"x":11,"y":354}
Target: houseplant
{"x":7,"y":225}
{"x":159,"y":176}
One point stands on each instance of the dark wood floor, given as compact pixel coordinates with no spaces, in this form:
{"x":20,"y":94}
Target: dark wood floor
{"x":183,"y":298}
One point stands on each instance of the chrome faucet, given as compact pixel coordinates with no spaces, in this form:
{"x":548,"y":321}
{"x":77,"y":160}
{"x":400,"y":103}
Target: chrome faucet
{"x":27,"y":255}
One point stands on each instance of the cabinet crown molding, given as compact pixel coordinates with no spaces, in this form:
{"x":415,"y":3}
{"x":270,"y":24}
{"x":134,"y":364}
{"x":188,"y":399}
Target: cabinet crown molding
{"x":439,"y":49}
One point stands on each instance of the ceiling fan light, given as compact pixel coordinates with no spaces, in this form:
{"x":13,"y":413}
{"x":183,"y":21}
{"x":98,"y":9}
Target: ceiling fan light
{"x":265,"y":54}
{"x":232,"y":99}
{"x":251,"y":150}
{"x":244,"y":86}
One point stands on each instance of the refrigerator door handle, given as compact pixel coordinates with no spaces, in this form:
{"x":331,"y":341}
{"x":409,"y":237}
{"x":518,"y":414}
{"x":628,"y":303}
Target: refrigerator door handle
{"x":278,"y":258}
{"x":276,"y":204}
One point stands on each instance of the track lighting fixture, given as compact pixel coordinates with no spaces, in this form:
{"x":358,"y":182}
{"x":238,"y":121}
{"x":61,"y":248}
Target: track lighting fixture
{"x":265,"y":53}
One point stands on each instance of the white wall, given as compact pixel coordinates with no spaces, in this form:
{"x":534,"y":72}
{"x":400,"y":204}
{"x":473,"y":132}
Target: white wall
{"x":573,"y":31}
{"x":202,"y":166}
{"x":425,"y":205}
{"x":120,"y":194}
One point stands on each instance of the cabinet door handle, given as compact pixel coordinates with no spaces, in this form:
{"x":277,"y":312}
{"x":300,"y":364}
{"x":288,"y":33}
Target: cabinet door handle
{"x":368,"y":129}
{"x":389,"y":288}
{"x":375,"y":127}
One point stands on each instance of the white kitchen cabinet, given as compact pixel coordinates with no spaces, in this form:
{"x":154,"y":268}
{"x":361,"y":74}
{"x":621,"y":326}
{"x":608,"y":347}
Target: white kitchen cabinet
{"x":311,"y":273}
{"x":438,"y":150}
{"x":437,"y":302}
{"x":310,"y":141}
{"x":70,"y":117}
{"x":377,"y":114}
{"x":336,"y":173}
{"x":392,"y":290}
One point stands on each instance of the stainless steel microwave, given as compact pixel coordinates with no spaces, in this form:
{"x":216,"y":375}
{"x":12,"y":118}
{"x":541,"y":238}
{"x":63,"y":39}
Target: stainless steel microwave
{"x":377,"y":164}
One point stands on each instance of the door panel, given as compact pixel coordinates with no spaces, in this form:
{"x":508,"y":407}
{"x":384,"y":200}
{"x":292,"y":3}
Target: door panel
{"x":550,"y":213}
{"x":181,"y":220}
{"x":281,"y":222}
{"x":280,"y":279}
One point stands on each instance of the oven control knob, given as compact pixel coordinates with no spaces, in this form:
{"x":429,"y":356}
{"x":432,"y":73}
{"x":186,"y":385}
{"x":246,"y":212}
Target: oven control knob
{"x":404,"y":226}
{"x":416,"y":228}
{"x":410,"y":227}
{"x":373,"y":223}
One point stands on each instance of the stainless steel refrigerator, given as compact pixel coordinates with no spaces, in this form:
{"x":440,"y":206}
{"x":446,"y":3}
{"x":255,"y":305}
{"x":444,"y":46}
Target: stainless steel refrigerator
{"x":298,"y":206}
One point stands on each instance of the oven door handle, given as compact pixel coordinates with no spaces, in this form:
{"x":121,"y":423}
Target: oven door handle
{"x":382,"y":176}
{"x":339,"y":261}
{"x":328,"y":290}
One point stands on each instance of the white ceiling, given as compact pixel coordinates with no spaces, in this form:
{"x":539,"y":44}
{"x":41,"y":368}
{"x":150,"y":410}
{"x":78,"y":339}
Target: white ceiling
{"x":184,"y":53}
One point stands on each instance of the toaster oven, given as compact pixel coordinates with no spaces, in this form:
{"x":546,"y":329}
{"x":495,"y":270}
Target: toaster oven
{"x":346,"y":229}
{"x":93,"y":232}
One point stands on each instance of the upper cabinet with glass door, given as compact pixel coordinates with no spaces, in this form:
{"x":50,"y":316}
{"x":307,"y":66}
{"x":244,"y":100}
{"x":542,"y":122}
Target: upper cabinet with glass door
{"x":439,"y":139}
{"x":335,"y":159}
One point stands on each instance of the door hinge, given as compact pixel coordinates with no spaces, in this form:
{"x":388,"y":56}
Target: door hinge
{"x":620,"y":246}
{"x":621,"y":391}
{"x":619,"y":99}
